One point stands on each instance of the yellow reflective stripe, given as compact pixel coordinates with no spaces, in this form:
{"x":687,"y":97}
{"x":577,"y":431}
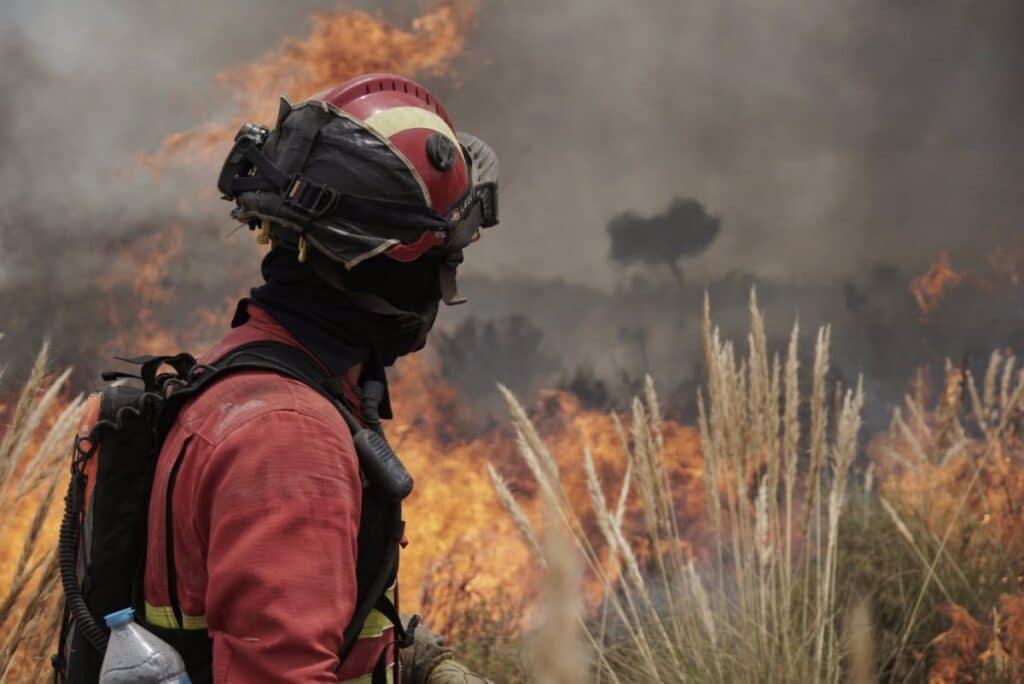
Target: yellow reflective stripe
{"x":376,"y":623}
{"x":163,"y":616}
{"x":368,"y":678}
{"x":194,"y":621}
{"x":388,"y":122}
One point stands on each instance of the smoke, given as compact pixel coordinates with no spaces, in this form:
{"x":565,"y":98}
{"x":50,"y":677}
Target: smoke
{"x":477,"y":353}
{"x":828,"y":136}
{"x":600,"y":344}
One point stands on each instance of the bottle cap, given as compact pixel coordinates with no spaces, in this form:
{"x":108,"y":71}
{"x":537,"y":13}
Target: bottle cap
{"x":121,"y":617}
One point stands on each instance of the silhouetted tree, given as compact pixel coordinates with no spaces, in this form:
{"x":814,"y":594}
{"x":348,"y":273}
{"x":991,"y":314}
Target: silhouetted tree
{"x":684,"y":229}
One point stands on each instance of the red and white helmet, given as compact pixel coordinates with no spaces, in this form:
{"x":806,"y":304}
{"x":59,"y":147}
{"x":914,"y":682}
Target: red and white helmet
{"x":418,"y":126}
{"x":371,"y":167}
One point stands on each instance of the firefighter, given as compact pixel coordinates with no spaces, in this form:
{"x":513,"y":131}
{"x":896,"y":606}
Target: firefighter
{"x":366,"y":196}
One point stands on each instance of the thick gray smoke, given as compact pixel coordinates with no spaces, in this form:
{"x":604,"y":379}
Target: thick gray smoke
{"x":827,"y":135}
{"x":842,"y":145}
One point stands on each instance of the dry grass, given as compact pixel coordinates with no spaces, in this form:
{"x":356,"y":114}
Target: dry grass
{"x":934,"y":548}
{"x":35,"y":441}
{"x":556,"y":651}
{"x":863,"y":665}
{"x":952,"y":489}
{"x":764,"y":606}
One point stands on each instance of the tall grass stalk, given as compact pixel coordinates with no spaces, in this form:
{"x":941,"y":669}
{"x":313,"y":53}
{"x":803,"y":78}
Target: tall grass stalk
{"x":557,"y":650}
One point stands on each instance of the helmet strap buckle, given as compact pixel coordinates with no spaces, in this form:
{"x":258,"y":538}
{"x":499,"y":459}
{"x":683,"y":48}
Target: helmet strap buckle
{"x":312,"y":198}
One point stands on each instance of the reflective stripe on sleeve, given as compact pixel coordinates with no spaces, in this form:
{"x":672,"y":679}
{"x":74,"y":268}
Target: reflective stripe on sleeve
{"x":163,"y":616}
{"x":376,"y":623}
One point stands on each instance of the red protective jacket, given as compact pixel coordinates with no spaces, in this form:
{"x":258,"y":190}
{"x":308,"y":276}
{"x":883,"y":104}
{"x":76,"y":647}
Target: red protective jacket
{"x":265,"y":506}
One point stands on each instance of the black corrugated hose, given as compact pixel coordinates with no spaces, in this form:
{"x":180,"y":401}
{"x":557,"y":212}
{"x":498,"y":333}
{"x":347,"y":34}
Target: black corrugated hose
{"x":67,"y":552}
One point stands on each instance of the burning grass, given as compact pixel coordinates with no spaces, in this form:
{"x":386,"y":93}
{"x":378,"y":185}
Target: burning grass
{"x":36,"y":436}
{"x":809,"y":575}
{"x":951,"y":484}
{"x":759,"y":601}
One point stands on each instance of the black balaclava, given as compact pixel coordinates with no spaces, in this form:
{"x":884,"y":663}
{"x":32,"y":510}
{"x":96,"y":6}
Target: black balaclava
{"x":334,"y":324}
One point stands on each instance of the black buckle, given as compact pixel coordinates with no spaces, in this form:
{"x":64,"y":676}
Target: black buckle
{"x":310,"y":197}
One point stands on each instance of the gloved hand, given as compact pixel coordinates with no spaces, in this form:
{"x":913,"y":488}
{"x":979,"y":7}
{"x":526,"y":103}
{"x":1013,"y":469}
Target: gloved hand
{"x":429,"y":661}
{"x":452,"y":671}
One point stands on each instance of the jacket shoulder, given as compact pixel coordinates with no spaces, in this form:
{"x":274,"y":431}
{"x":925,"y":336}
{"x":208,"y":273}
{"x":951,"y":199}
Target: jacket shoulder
{"x":249,"y":396}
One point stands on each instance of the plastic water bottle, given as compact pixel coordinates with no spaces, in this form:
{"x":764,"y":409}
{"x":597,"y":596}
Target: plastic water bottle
{"x":137,"y":656}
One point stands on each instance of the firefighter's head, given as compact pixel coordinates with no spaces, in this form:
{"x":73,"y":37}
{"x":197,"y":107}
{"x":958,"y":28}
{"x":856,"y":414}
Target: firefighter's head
{"x":370,"y":186}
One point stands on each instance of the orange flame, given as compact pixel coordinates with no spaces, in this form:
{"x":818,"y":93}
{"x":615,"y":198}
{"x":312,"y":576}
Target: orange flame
{"x":1001,"y":271}
{"x":930,"y":287}
{"x":957,"y":646}
{"x":341,"y":45}
{"x":454,"y":513}
{"x":968,"y":650}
